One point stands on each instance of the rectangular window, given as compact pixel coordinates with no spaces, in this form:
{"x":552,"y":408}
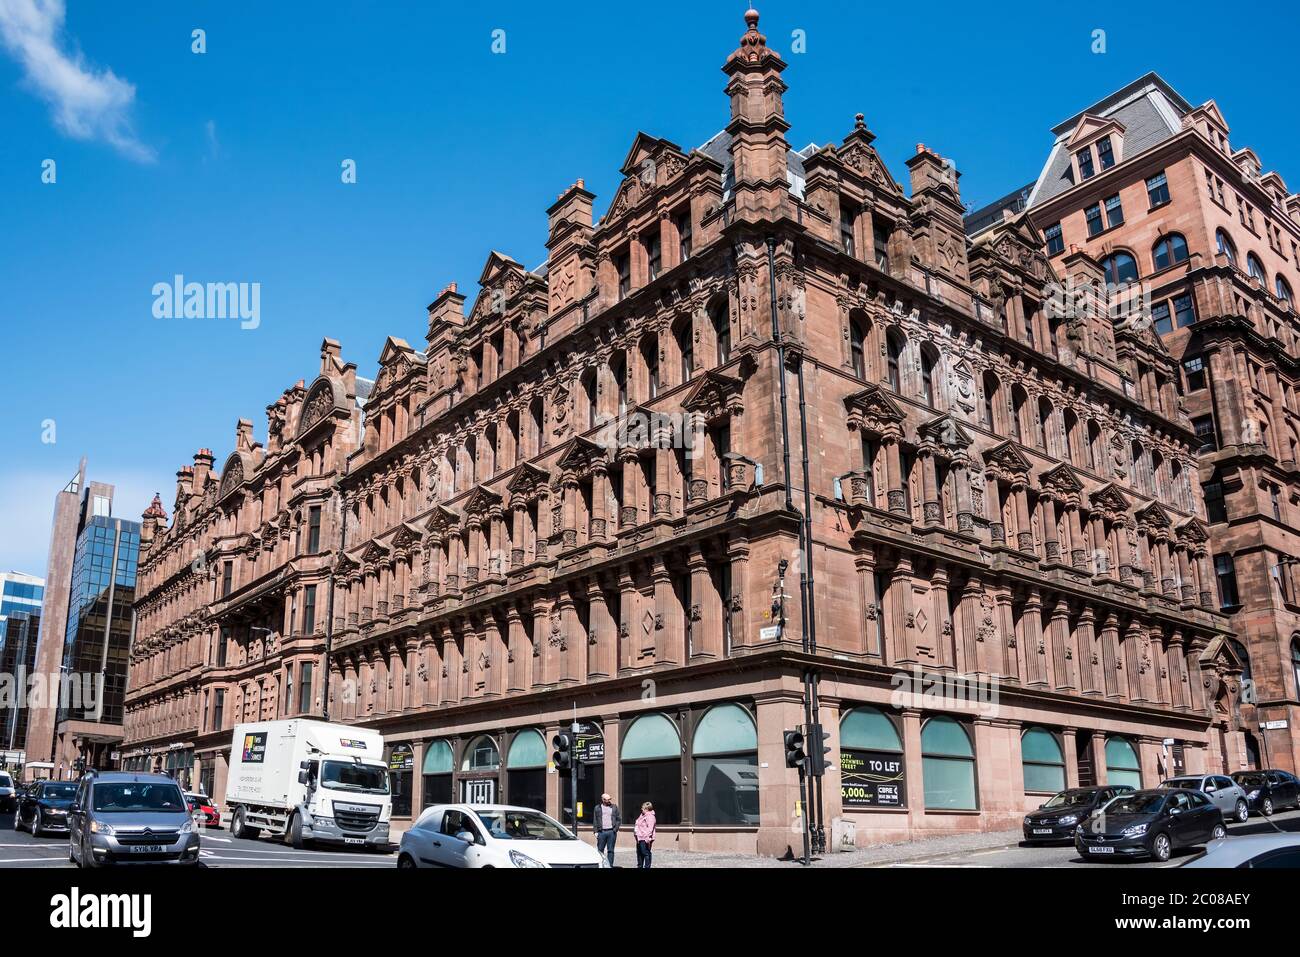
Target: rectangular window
{"x":1184,"y":311}
{"x":1055,"y":242}
{"x":1114,"y":212}
{"x":223,"y":640}
{"x":1275,"y":499}
{"x":288,"y":688}
{"x":848,"y":216}
{"x":308,"y":609}
{"x":313,"y":530}
{"x":227,"y":578}
{"x":652,"y":256}
{"x":1093,"y":214}
{"x":304,"y":686}
{"x":683,"y":224}
{"x":1158,"y":189}
{"x":880,"y":237}
{"x":623,"y":264}
{"x":219,"y":709}
{"x":1194,"y":371}
{"x":1105,"y":154}
{"x":1279,"y":573}
{"x":1226,"y":573}
{"x":1204,"y":426}
{"x":1085,"y":164}
{"x":1161,"y":319}
{"x":1216,"y":508}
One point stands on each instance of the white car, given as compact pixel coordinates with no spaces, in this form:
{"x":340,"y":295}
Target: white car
{"x":492,"y":835}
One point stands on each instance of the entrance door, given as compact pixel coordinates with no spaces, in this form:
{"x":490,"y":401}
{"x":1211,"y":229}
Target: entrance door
{"x":478,"y":791}
{"x":1083,"y":752}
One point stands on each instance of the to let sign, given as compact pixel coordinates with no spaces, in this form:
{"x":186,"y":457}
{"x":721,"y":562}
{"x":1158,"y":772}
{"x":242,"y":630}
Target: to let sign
{"x":872,"y":779}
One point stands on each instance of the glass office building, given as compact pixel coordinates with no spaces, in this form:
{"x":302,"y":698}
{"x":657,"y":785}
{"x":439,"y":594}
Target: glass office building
{"x":18,"y":634}
{"x":98,"y":639}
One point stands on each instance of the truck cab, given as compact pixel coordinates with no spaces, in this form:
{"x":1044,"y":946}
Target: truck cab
{"x":306,"y":781}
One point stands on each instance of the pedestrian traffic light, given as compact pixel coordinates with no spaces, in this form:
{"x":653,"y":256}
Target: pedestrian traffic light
{"x":794,"y":753}
{"x":817,"y":749}
{"x":563,"y":756}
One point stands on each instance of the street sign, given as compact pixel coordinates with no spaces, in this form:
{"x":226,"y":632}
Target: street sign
{"x":770,"y":633}
{"x":1273,"y":725}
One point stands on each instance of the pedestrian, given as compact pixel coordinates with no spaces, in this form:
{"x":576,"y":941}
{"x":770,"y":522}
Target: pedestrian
{"x":645,"y":835}
{"x":607,"y":822}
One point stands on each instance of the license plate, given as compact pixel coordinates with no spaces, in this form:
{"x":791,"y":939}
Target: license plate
{"x":147,"y":848}
{"x":1101,"y":850}
{"x":353,"y":840}
{"x":1042,"y":830}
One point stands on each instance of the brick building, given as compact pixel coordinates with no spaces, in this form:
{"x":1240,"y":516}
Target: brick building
{"x":587,"y":496}
{"x":1149,"y":188}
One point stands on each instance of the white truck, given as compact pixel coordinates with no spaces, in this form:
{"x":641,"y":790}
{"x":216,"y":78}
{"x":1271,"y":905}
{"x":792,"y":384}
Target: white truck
{"x":305,"y":781}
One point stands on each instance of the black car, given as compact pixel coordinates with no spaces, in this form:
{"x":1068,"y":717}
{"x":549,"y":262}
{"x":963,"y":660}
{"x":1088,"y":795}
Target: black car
{"x":44,"y":807}
{"x":1150,"y":824}
{"x":1057,"y":819}
{"x":1270,"y":790}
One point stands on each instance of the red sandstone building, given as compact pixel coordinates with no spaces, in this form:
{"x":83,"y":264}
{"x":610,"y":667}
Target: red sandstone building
{"x":1149,"y":187}
{"x":502,"y":559}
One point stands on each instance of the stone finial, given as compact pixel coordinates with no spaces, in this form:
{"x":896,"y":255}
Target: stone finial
{"x":155,"y":509}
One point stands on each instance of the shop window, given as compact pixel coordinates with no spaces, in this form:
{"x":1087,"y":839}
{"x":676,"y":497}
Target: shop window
{"x":725,"y":754}
{"x":651,"y":757}
{"x":437,"y":772}
{"x":526,"y":770}
{"x":481,"y":755}
{"x":947,"y":766}
{"x":1043,"y":762}
{"x":1122,"y":763}
{"x":401,"y":765}
{"x":872,"y":769}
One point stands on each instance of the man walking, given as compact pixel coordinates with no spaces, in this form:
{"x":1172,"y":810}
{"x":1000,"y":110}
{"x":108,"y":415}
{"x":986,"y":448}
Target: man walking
{"x":607,"y":822}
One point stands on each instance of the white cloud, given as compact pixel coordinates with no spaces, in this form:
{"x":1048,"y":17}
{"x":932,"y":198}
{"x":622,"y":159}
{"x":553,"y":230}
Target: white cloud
{"x":86,"y":104}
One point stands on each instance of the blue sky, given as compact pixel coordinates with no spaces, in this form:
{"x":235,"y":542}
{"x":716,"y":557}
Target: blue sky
{"x":225,"y":167}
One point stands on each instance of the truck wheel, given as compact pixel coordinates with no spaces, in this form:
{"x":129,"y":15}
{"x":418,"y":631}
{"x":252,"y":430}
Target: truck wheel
{"x":295,"y":831}
{"x":239,"y":827}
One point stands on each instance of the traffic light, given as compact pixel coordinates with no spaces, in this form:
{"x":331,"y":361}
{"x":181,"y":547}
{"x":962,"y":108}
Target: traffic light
{"x":817,"y":749}
{"x":563,"y":756}
{"x":794,"y":753}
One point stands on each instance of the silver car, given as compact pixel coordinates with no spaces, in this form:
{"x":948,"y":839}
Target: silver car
{"x":119,"y":817}
{"x":1226,"y":794}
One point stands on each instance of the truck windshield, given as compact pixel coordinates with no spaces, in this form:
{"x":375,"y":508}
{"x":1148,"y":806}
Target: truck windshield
{"x":346,"y":776}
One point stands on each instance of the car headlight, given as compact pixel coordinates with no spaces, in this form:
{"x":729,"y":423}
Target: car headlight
{"x":1253,"y":794}
{"x":188,"y":826}
{"x":1027,"y":821}
{"x":99,"y":827}
{"x":520,"y":859}
{"x":1135,"y":830}
{"x":1069,"y":819}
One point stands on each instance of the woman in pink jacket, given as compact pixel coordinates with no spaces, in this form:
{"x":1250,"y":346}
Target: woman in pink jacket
{"x":645,"y":834}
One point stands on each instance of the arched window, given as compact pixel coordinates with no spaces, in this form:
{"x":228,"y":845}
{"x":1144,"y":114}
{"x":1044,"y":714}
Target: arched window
{"x":1283,"y":289}
{"x":1141,"y":466}
{"x":1122,"y":763}
{"x":1019,"y":398}
{"x":537,"y":438}
{"x":1224,"y":244}
{"x":437,"y":771}
{"x":718,"y":315}
{"x":1069,"y":435}
{"x":1169,"y":251}
{"x":618,"y":368}
{"x":526,"y":770}
{"x":894,"y":343}
{"x":871,"y":760}
{"x":947,"y":765}
{"x":651,"y":758}
{"x":725,"y":752}
{"x":684,"y":336}
{"x":1044,"y":423}
{"x":1095,"y":450}
{"x":589,"y":394}
{"x":929,"y":358}
{"x":470,"y":474}
{"x":1295,"y":661}
{"x":650,"y":356}
{"x":1255,"y":268}
{"x":1243,"y":656}
{"x":1120,"y":267}
{"x":858,"y":327}
{"x":991,"y":396}
{"x":481,"y":755}
{"x":1042,"y":760}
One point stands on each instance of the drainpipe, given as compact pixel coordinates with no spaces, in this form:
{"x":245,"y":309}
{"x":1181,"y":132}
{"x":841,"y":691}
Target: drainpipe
{"x":329,"y":614}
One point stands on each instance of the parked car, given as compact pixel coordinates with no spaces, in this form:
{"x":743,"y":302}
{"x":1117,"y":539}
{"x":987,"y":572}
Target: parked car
{"x":8,"y":797}
{"x":1251,"y":850}
{"x":1152,"y":823}
{"x":1056,"y":820}
{"x":1270,"y":790}
{"x":492,"y":835}
{"x":1226,"y":794}
{"x":43,"y":806}
{"x":128,"y":817}
{"x":204,"y":809}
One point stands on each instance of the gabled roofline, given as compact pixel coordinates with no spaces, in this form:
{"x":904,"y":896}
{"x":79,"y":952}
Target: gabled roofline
{"x":1130,"y":91}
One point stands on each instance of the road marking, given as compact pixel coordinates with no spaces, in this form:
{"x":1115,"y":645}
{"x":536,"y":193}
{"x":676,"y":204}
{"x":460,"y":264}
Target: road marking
{"x":29,"y":860}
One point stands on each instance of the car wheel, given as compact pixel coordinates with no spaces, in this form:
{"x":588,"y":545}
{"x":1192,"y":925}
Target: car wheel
{"x":406,"y":862}
{"x":1218,"y":833}
{"x":1267,"y":807}
{"x":1243,"y":812}
{"x":295,"y":831}
{"x":1161,"y":847}
{"x":36,"y":823}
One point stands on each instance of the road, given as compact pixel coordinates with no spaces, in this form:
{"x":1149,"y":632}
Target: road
{"x":20,"y":850}
{"x":1064,"y":855}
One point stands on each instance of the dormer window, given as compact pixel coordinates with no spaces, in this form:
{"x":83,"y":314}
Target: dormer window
{"x":1084,"y":158}
{"x":1105,"y":155}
